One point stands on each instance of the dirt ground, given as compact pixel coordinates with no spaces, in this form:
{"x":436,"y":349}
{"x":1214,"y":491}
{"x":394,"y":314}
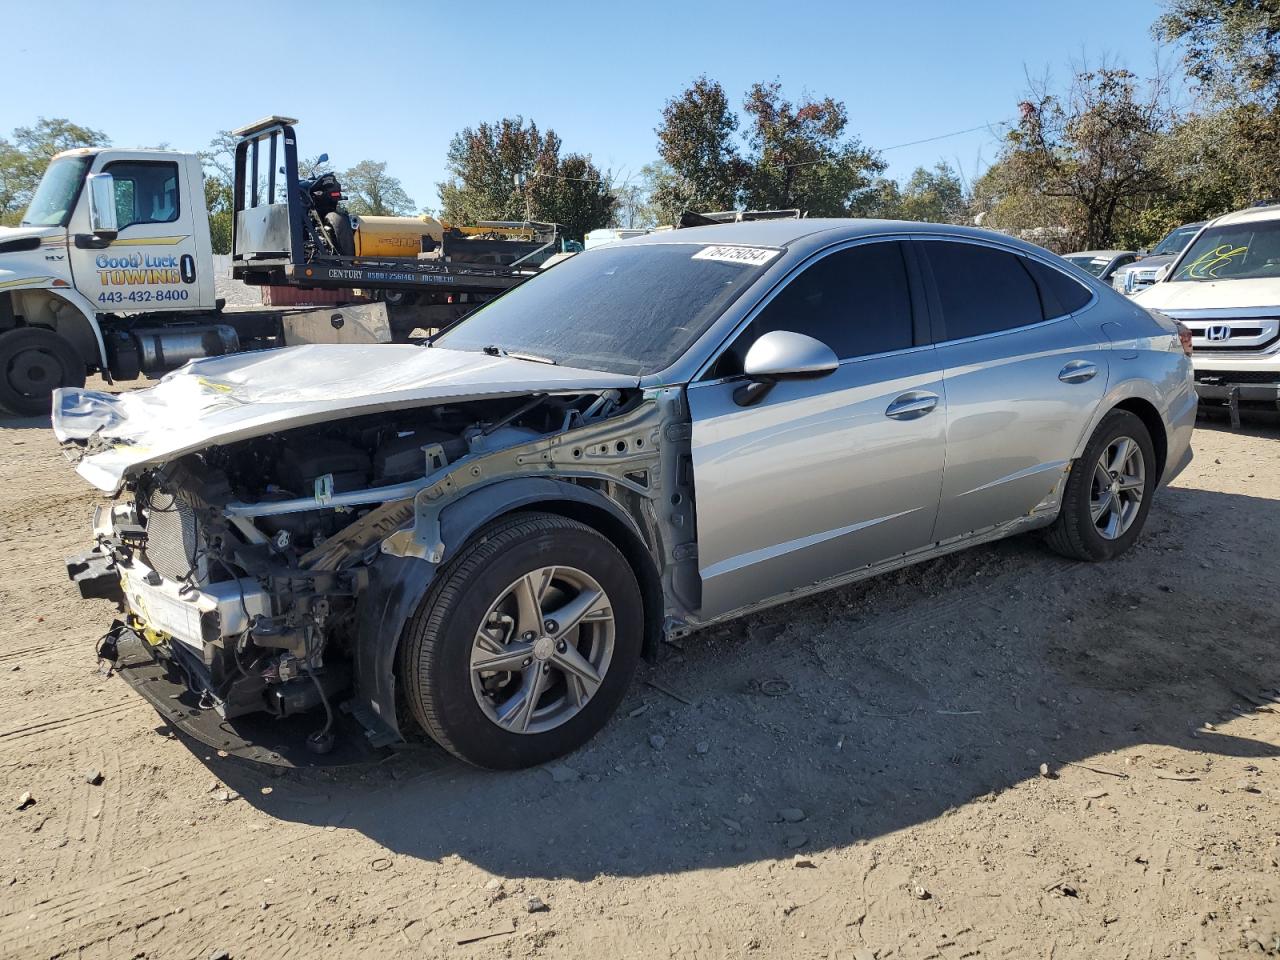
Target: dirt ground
{"x":853,"y":776}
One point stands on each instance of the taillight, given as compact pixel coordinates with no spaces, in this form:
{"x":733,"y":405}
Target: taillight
{"x":1184,"y":337}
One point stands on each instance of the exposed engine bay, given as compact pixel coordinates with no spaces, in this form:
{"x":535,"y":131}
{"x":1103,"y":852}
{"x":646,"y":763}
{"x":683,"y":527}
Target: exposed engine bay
{"x":272,"y":573}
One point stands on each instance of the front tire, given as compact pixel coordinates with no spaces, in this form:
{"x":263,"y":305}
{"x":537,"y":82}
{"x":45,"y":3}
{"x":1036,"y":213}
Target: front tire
{"x":526,"y":646}
{"x":33,"y":363}
{"x":1109,"y":490}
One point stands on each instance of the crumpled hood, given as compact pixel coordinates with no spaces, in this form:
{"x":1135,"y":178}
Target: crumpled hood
{"x":224,"y":399}
{"x":1208,"y":294}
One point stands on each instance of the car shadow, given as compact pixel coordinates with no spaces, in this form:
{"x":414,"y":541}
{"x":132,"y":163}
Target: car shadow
{"x":843,"y":717}
{"x":10,"y":422}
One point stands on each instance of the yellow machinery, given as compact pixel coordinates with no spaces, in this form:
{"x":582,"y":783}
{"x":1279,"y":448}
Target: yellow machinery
{"x":377,"y":237}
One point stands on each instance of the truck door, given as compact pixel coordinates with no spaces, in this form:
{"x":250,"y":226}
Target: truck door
{"x":154,"y":263}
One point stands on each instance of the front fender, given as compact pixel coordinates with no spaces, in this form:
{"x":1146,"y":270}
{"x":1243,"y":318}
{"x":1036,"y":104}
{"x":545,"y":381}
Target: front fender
{"x":397,"y":585}
{"x":88,"y":340}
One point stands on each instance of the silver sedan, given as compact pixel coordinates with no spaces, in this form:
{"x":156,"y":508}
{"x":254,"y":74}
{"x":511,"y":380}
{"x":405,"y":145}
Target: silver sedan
{"x":481,"y":536}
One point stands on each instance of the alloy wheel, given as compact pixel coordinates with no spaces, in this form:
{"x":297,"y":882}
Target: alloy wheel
{"x":542,"y":649}
{"x":1119,"y":482}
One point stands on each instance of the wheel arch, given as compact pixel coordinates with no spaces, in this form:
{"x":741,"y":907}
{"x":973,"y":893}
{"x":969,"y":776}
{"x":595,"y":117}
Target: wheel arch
{"x":1145,"y":411}
{"x":1139,"y":398}
{"x":68,"y":314}
{"x":398,"y":585}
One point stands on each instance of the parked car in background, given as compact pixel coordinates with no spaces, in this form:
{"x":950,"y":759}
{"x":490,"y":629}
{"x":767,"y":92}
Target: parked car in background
{"x":1226,"y":288}
{"x":1140,"y":275}
{"x":479,"y":537}
{"x":1101,"y":263}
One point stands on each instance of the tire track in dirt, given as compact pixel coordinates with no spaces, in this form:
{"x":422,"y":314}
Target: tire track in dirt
{"x":45,"y":727}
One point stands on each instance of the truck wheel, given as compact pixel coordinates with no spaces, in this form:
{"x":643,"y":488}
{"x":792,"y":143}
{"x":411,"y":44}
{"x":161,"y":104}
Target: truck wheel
{"x":1108,"y":492}
{"x":344,"y":238}
{"x":524,"y":649}
{"x":33,"y":363}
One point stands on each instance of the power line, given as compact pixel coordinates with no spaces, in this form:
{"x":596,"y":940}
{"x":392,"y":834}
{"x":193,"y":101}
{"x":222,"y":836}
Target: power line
{"x":944,"y":136}
{"x":911,"y":143}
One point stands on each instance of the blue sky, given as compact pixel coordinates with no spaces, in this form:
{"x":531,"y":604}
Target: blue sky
{"x":394,"y":81}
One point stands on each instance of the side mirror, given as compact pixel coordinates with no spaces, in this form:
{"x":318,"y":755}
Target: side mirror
{"x":323,"y":158}
{"x":102,"y":206}
{"x":782,"y":355}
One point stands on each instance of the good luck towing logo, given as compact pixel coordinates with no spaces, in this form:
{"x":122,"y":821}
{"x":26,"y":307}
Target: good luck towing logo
{"x":144,"y":269}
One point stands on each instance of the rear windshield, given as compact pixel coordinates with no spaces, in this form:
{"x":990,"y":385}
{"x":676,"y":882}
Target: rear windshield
{"x":624,"y":308}
{"x":1240,"y":251}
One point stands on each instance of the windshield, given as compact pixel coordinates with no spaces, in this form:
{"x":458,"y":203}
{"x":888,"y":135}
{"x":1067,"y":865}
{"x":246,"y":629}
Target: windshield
{"x":52,"y":202}
{"x":1094,"y":265}
{"x":630,"y":309}
{"x":1241,"y":251}
{"x":1176,"y":241}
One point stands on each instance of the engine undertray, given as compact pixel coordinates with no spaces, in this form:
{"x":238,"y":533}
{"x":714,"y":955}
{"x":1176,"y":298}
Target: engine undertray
{"x":279,"y":741}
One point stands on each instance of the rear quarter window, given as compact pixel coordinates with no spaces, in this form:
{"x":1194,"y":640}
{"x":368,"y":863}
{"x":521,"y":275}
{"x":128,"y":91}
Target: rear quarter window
{"x":1059,"y":294}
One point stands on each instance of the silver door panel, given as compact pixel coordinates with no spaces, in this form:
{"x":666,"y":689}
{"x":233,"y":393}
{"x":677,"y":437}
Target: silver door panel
{"x":817,"y":480}
{"x":1017,"y":403}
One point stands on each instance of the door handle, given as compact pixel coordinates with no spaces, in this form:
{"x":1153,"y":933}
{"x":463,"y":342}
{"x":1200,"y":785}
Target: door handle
{"x":1078,"y":371}
{"x":912,"y":406}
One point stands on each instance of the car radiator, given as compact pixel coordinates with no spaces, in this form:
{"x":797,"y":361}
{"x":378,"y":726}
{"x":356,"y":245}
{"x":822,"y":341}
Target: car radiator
{"x":173,"y":538}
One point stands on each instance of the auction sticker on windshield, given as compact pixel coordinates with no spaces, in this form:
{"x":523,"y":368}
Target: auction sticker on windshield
{"x":751,"y":256}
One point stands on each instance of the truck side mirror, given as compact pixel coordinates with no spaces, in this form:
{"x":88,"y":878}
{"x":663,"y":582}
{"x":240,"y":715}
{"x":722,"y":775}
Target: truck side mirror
{"x":102,"y":206}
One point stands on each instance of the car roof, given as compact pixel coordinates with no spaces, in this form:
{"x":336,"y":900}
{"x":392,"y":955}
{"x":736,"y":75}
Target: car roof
{"x":1270,"y":211}
{"x":1110,"y":254}
{"x":818,"y":231}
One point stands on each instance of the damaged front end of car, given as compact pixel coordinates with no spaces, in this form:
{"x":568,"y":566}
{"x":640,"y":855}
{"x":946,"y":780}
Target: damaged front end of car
{"x":272,"y":575}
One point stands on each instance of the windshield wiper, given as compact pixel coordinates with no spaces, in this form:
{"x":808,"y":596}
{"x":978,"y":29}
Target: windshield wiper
{"x":493,"y":350}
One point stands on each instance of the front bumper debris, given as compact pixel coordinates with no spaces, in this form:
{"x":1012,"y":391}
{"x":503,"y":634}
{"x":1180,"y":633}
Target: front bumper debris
{"x":278,"y":741}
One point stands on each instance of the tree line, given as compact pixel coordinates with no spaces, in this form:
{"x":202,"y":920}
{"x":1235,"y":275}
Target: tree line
{"x":1108,"y":159}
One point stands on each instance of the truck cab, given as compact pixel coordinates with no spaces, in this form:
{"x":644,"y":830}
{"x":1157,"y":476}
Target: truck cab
{"x":110,"y":233}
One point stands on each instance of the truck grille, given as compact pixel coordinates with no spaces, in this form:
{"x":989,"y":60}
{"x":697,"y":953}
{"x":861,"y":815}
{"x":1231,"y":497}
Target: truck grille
{"x":172,"y":538}
{"x":1224,"y":333}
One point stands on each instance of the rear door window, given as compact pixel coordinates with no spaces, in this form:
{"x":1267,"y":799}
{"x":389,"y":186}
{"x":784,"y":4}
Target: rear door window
{"x":981,"y":289}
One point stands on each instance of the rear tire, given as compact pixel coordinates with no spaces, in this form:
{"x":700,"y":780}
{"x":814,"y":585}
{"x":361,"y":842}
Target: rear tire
{"x":344,"y":238}
{"x":33,"y":363}
{"x":507,"y":599}
{"x":1109,"y":490}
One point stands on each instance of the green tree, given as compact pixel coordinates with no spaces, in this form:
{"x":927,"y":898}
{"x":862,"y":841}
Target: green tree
{"x":1086,"y":159}
{"x":372,"y":192}
{"x":1231,"y":47}
{"x":26,"y":154}
{"x":701,"y":169}
{"x":510,"y":170}
{"x":934,"y":196}
{"x":218,"y":160}
{"x":800,"y":156}
{"x":491,"y":170}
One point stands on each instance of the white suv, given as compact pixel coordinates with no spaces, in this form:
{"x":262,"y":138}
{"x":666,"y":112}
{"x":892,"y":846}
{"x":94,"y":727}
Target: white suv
{"x":1226,"y":288}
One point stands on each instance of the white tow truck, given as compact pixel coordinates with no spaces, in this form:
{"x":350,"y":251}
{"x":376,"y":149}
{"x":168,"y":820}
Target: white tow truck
{"x":111,"y":269}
